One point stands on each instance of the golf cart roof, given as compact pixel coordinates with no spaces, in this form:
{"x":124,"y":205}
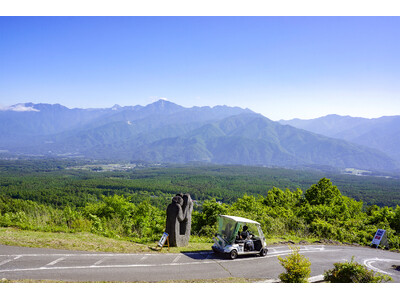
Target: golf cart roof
{"x":239,"y":219}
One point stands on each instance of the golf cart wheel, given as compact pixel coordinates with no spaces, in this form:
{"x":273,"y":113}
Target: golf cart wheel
{"x":233,"y":254}
{"x":263,"y":252}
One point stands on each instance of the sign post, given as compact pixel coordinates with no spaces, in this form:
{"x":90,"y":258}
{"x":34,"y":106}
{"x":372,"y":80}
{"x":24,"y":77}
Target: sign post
{"x":164,"y":238}
{"x":380,"y":238}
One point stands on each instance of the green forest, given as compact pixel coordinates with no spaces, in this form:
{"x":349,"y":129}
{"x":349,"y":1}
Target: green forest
{"x":56,"y":196}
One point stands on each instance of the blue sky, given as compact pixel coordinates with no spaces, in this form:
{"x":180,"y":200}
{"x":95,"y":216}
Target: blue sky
{"x":282,"y":67}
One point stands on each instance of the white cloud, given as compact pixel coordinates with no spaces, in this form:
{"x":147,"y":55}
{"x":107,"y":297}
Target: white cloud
{"x":18,"y":108}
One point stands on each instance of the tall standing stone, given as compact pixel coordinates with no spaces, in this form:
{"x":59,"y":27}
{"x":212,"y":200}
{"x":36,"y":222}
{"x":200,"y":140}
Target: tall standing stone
{"x":179,"y":220}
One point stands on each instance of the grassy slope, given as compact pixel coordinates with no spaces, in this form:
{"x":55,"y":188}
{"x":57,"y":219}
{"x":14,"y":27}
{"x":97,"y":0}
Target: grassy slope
{"x":84,"y":241}
{"x":69,"y":241}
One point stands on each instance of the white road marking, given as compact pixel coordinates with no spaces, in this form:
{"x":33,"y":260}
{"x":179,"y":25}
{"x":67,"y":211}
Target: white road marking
{"x":143,"y":258}
{"x":55,"y":261}
{"x":368,"y":264}
{"x":176,"y":259}
{"x":8,"y":260}
{"x":99,"y":262}
{"x":285,"y":247}
{"x":320,"y":248}
{"x":90,"y":254}
{"x":158,"y":265}
{"x":301,"y":251}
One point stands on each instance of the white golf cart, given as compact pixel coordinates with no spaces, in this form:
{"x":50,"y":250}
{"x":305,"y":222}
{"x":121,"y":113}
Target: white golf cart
{"x":229,"y":239}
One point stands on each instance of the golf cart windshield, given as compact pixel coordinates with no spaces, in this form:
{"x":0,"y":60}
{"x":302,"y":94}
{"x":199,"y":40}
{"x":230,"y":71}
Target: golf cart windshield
{"x":227,"y":228}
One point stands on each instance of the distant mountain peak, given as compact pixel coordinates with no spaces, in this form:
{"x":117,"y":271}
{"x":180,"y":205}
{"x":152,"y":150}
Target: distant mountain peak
{"x":116,"y":107}
{"x":163,"y":105}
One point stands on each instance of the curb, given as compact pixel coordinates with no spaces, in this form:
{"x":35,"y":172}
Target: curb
{"x":314,"y":279}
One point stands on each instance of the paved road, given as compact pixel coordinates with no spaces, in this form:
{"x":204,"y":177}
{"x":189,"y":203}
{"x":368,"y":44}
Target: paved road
{"x":35,"y":263}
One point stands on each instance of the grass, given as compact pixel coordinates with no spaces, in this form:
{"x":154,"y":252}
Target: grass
{"x":85,"y":241}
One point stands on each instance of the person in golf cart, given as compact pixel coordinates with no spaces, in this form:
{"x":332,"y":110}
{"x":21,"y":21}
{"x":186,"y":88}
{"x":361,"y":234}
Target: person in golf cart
{"x":246,"y":236}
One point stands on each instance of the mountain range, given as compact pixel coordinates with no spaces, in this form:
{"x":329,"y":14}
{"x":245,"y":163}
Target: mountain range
{"x":167,"y":132}
{"x":379,"y":133}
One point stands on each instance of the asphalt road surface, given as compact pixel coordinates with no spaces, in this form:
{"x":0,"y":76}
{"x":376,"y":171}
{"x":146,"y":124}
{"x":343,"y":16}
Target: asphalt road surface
{"x":77,"y":266}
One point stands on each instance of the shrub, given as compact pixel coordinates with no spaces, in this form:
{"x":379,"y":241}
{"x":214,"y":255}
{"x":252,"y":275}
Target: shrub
{"x":297,"y":267}
{"x":208,"y":231}
{"x":353,"y":272}
{"x":394,"y":242}
{"x":202,"y":222}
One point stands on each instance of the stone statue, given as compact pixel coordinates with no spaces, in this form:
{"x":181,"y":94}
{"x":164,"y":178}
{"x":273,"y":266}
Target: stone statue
{"x":186,"y":224}
{"x":179,"y":220}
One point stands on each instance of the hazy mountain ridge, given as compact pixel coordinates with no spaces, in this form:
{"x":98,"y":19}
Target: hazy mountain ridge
{"x":167,"y":132}
{"x":380,"y":133}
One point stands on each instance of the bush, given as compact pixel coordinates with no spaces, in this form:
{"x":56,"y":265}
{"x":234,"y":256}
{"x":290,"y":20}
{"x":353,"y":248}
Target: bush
{"x":205,"y":223}
{"x":353,"y":272}
{"x":208,"y":231}
{"x":297,"y":267}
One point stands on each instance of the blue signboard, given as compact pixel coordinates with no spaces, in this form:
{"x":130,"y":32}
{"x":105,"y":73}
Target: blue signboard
{"x":163,"y":239}
{"x":378,"y":236}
